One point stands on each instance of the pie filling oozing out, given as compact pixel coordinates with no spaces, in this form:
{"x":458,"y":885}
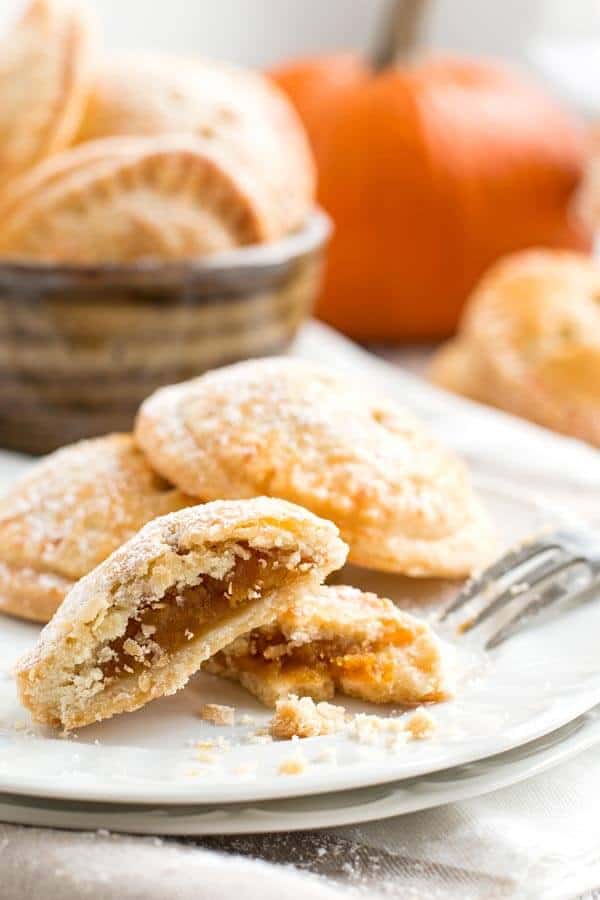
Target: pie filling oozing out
{"x":160,"y":627}
{"x":383,"y":656}
{"x":141,"y":623}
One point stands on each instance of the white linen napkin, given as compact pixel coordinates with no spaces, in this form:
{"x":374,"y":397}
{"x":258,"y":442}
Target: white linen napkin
{"x":540,"y":839}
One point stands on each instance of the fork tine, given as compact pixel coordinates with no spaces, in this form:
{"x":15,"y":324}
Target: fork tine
{"x":536,"y":577}
{"x":510,"y":560}
{"x":536,"y":605}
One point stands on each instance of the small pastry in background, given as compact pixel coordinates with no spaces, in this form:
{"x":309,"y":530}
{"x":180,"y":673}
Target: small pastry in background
{"x":230,"y":107}
{"x":180,"y":590}
{"x":529,"y":342}
{"x":120,"y":200}
{"x":339,"y":638}
{"x":45,"y":73}
{"x":292,"y":429}
{"x":68,"y":513}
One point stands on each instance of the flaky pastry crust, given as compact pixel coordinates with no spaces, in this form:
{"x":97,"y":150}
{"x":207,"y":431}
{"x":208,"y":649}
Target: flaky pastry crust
{"x":529,"y":342}
{"x":125,"y":199}
{"x":182,"y":588}
{"x":68,"y":513}
{"x":45,"y":74}
{"x":292,"y":429}
{"x":339,"y":638}
{"x":148,"y":94}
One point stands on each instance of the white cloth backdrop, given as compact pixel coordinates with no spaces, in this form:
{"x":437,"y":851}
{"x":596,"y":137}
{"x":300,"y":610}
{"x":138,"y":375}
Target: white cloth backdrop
{"x":261,"y":32}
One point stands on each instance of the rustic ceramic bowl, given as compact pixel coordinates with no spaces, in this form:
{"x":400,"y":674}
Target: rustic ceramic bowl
{"x":82,"y":346}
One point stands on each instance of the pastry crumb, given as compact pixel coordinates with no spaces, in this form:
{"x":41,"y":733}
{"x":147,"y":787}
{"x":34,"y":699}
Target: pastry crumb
{"x":245,"y":769}
{"x":220,"y":744}
{"x":293,"y":765}
{"x":394,"y":731}
{"x":259,"y":738}
{"x":366,"y":729}
{"x":206,"y":756}
{"x":328,"y":756}
{"x":22,"y":726}
{"x":217,"y":714}
{"x":420,"y":725}
{"x":301,"y":717}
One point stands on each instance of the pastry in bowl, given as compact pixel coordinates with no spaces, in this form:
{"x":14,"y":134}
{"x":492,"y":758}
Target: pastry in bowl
{"x":293,"y":429}
{"x":68,"y":513}
{"x":147,"y":94}
{"x":118,"y":200}
{"x":180,"y":590}
{"x":529,"y":342}
{"x":45,"y":73}
{"x":339,"y":638}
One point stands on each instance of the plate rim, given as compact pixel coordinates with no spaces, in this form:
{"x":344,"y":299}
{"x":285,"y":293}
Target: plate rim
{"x":261,"y":817}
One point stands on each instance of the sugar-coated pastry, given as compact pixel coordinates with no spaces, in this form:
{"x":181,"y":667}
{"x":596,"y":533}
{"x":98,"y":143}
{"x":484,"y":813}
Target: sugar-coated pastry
{"x":124,"y":199}
{"x":68,"y":513}
{"x":151,"y":94}
{"x":293,"y":429}
{"x":339,"y":638}
{"x":45,"y":74}
{"x":529,"y":342}
{"x":180,"y":590}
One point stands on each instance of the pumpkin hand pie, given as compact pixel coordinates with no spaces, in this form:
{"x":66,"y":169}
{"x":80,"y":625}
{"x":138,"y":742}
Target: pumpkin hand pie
{"x":339,"y":638}
{"x":45,"y":75}
{"x":187,"y":585}
{"x":529,"y":342}
{"x":224,"y":105}
{"x":125,"y":199}
{"x":292,"y":429}
{"x":68,"y":513}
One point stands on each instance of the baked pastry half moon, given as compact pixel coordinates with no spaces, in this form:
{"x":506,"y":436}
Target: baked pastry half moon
{"x":68,"y":513}
{"x":292,"y":429}
{"x":45,"y":74}
{"x":151,"y":94}
{"x":118,"y":200}
{"x":339,"y":638}
{"x":185,"y":586}
{"x":529,"y":342}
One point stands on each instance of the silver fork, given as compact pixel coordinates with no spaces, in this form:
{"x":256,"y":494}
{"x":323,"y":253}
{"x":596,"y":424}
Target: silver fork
{"x":559,"y":566}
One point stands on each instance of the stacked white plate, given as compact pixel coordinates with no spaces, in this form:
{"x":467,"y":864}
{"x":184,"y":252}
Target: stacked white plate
{"x":518,"y":710}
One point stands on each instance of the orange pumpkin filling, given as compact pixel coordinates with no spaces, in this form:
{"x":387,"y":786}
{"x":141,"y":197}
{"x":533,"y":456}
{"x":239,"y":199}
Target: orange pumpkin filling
{"x":161,"y":627}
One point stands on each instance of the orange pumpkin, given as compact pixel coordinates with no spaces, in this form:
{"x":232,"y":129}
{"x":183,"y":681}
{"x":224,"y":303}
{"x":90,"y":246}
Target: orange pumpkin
{"x":430,"y":172}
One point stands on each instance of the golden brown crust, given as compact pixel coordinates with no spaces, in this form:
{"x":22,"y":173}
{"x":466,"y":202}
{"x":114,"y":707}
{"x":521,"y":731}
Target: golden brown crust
{"x":68,"y":513}
{"x":292,"y":429}
{"x":339,"y":638}
{"x":63,"y":680}
{"x":120,"y":200}
{"x":145,"y":94}
{"x":45,"y":74}
{"x":301,"y":717}
{"x":530,"y":342}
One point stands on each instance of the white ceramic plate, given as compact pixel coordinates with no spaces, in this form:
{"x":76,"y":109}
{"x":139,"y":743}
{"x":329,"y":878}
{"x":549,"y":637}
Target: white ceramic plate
{"x":531,"y":686}
{"x":320,"y":811}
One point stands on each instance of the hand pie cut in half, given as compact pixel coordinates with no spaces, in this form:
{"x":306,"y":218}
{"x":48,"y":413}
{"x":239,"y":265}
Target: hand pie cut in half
{"x":68,"y":513}
{"x":118,"y":200}
{"x":45,"y":75}
{"x":184,"y":587}
{"x":529,"y":342}
{"x":292,"y":429}
{"x":339,"y":638}
{"x":225,"y":105}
